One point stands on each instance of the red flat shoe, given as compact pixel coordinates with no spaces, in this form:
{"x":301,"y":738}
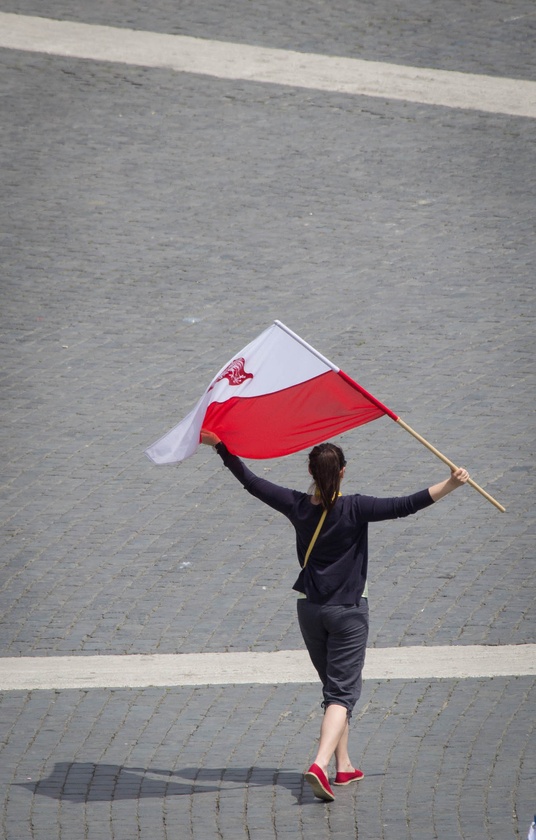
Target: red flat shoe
{"x":346,"y":778}
{"x":319,"y":783}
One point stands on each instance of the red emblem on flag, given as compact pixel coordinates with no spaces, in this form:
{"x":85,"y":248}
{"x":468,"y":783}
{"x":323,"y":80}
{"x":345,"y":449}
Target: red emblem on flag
{"x":234,"y":373}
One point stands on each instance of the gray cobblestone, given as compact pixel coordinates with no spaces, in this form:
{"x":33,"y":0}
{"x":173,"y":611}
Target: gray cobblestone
{"x":152,"y":224}
{"x":433,"y":753}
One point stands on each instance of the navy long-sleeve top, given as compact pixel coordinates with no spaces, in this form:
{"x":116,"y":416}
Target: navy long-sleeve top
{"x":336,"y":572}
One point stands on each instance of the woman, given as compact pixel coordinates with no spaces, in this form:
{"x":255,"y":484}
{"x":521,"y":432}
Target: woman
{"x":332,"y":595}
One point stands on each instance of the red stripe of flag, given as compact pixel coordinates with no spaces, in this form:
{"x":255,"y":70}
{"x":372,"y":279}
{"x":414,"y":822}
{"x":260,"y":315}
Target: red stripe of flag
{"x":295,"y":418}
{"x":368,"y":396}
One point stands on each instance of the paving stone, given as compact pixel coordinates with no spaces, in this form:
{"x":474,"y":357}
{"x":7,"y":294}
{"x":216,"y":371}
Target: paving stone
{"x":152,"y":224}
{"x":435,"y":755}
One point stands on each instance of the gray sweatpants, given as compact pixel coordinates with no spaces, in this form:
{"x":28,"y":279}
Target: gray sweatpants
{"x":336,"y":638}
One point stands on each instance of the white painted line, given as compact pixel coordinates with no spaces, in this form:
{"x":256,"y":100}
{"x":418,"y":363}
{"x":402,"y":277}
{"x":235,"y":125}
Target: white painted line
{"x":446,"y":662}
{"x":286,"y":666}
{"x":226,"y":60}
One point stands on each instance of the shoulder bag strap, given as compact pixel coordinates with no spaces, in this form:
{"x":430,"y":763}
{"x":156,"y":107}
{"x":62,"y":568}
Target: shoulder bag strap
{"x":315,"y":535}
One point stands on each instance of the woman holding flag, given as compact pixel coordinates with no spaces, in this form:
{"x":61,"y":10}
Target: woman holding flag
{"x":331,"y":542}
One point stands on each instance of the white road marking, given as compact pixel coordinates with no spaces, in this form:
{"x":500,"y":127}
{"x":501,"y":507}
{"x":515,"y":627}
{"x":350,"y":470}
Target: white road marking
{"x":287,"y":666}
{"x":225,"y":60}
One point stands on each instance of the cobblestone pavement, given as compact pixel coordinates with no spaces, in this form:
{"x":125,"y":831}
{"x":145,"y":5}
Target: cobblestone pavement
{"x":152,"y":224}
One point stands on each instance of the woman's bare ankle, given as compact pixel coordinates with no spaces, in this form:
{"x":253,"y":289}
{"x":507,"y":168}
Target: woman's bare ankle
{"x":345,"y":766}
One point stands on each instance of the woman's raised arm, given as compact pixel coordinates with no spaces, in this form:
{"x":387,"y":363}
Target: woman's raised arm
{"x":457,"y":479}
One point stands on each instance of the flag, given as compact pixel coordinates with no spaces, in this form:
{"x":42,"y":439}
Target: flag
{"x":276,"y":396}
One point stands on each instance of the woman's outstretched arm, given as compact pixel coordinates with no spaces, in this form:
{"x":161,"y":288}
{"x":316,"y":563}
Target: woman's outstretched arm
{"x":457,"y":479}
{"x":279,"y":498}
{"x":209,"y":438}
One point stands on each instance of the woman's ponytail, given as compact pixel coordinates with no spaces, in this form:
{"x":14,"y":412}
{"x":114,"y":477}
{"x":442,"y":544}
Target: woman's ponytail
{"x":325,"y":464}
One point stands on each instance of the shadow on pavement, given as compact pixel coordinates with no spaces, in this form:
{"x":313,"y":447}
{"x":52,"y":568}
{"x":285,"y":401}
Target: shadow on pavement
{"x":88,"y":782}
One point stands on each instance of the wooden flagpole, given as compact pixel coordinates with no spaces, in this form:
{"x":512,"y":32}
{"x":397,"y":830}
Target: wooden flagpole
{"x":389,"y":413}
{"x":417,"y":436}
{"x":449,"y":463}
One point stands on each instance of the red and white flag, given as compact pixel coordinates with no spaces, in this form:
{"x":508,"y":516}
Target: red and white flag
{"x":277,"y":396}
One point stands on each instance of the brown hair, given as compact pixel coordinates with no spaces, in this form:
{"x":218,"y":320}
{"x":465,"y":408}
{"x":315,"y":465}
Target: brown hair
{"x":325,"y":464}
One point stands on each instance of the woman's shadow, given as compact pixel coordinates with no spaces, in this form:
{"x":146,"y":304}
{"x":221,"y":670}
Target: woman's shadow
{"x":78,"y":782}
